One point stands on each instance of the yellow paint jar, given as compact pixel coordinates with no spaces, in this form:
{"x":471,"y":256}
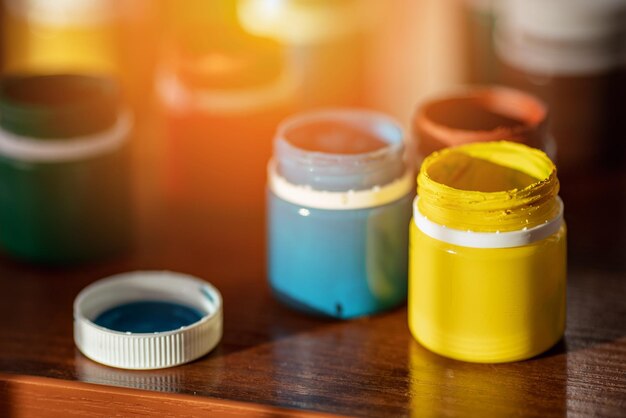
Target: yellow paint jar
{"x":56,"y":36}
{"x":487,"y":273}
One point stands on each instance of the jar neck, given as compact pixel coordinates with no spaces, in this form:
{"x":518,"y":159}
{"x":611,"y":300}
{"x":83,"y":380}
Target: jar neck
{"x":488,"y":187}
{"x":232,"y":74}
{"x":323,"y":169}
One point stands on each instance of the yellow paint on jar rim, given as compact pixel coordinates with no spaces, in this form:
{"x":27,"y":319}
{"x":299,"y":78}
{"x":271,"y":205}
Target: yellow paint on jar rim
{"x":488,"y":187}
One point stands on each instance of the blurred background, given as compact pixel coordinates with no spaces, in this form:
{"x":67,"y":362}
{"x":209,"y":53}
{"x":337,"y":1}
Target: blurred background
{"x":209,"y":80}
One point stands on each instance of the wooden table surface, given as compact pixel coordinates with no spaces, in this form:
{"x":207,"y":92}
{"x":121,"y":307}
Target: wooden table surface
{"x":275,"y":362}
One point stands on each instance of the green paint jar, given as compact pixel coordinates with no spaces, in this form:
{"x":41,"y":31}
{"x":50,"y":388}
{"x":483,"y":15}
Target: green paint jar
{"x":64,"y":168}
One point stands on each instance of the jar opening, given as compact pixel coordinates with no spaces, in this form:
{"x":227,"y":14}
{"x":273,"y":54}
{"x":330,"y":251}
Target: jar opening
{"x":334,"y":137}
{"x":465,"y":172}
{"x":59,"y":90}
{"x":57,"y":106}
{"x":42,"y":92}
{"x":486,"y":110}
{"x":469,"y":114}
{"x":340,"y":150}
{"x":235,"y":60}
{"x":491,"y":186}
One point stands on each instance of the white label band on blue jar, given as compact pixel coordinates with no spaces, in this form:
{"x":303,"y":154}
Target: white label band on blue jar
{"x":66,"y":149}
{"x":473,"y":239}
{"x":344,"y":200}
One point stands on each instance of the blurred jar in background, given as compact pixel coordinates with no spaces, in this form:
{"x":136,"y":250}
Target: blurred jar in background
{"x":480,"y":114}
{"x":98,"y":37}
{"x":113,"y":39}
{"x":138,"y":29}
{"x":416,"y":52}
{"x":326,"y":41}
{"x":60,"y":35}
{"x":223,"y":92}
{"x":64,"y":180}
{"x":572,"y":53}
{"x":478,"y":19}
{"x":339,"y":201}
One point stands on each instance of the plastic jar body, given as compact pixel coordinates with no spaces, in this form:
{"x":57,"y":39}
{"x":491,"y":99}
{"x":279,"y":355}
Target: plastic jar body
{"x":341,"y":263}
{"x":337,"y":239}
{"x":65,"y":212}
{"x":496,"y":293}
{"x":461,"y":302}
{"x":63,"y":199}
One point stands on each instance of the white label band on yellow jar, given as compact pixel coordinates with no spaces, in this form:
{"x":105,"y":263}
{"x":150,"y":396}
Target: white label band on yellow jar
{"x":351,"y":199}
{"x":473,"y":239}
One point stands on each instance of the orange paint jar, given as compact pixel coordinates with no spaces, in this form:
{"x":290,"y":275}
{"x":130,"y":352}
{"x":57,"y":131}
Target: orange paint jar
{"x":222,"y":98}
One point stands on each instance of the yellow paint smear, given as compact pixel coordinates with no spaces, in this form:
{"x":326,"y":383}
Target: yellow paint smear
{"x":488,"y":187}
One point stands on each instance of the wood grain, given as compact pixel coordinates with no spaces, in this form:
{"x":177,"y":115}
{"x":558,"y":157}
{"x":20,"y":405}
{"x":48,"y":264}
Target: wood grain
{"x":272,"y":358}
{"x":40,"y":397}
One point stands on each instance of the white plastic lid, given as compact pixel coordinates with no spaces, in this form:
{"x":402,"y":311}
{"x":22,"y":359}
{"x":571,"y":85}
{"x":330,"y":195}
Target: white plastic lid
{"x":147,"y":350}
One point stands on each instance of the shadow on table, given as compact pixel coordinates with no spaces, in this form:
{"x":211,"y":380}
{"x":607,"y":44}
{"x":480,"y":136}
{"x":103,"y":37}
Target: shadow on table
{"x":226,"y":248}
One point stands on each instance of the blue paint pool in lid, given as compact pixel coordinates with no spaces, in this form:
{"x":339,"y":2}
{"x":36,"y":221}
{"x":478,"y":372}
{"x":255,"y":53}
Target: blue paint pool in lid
{"x":146,"y":316}
{"x":147,"y":319}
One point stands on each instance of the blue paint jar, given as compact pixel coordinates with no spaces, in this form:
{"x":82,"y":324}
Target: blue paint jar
{"x":339,"y":202}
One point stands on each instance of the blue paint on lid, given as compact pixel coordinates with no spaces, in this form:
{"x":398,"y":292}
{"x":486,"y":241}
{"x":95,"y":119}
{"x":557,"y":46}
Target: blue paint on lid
{"x":148,"y":316}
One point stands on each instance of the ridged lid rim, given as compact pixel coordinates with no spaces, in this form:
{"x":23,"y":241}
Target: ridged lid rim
{"x":142,"y":351}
